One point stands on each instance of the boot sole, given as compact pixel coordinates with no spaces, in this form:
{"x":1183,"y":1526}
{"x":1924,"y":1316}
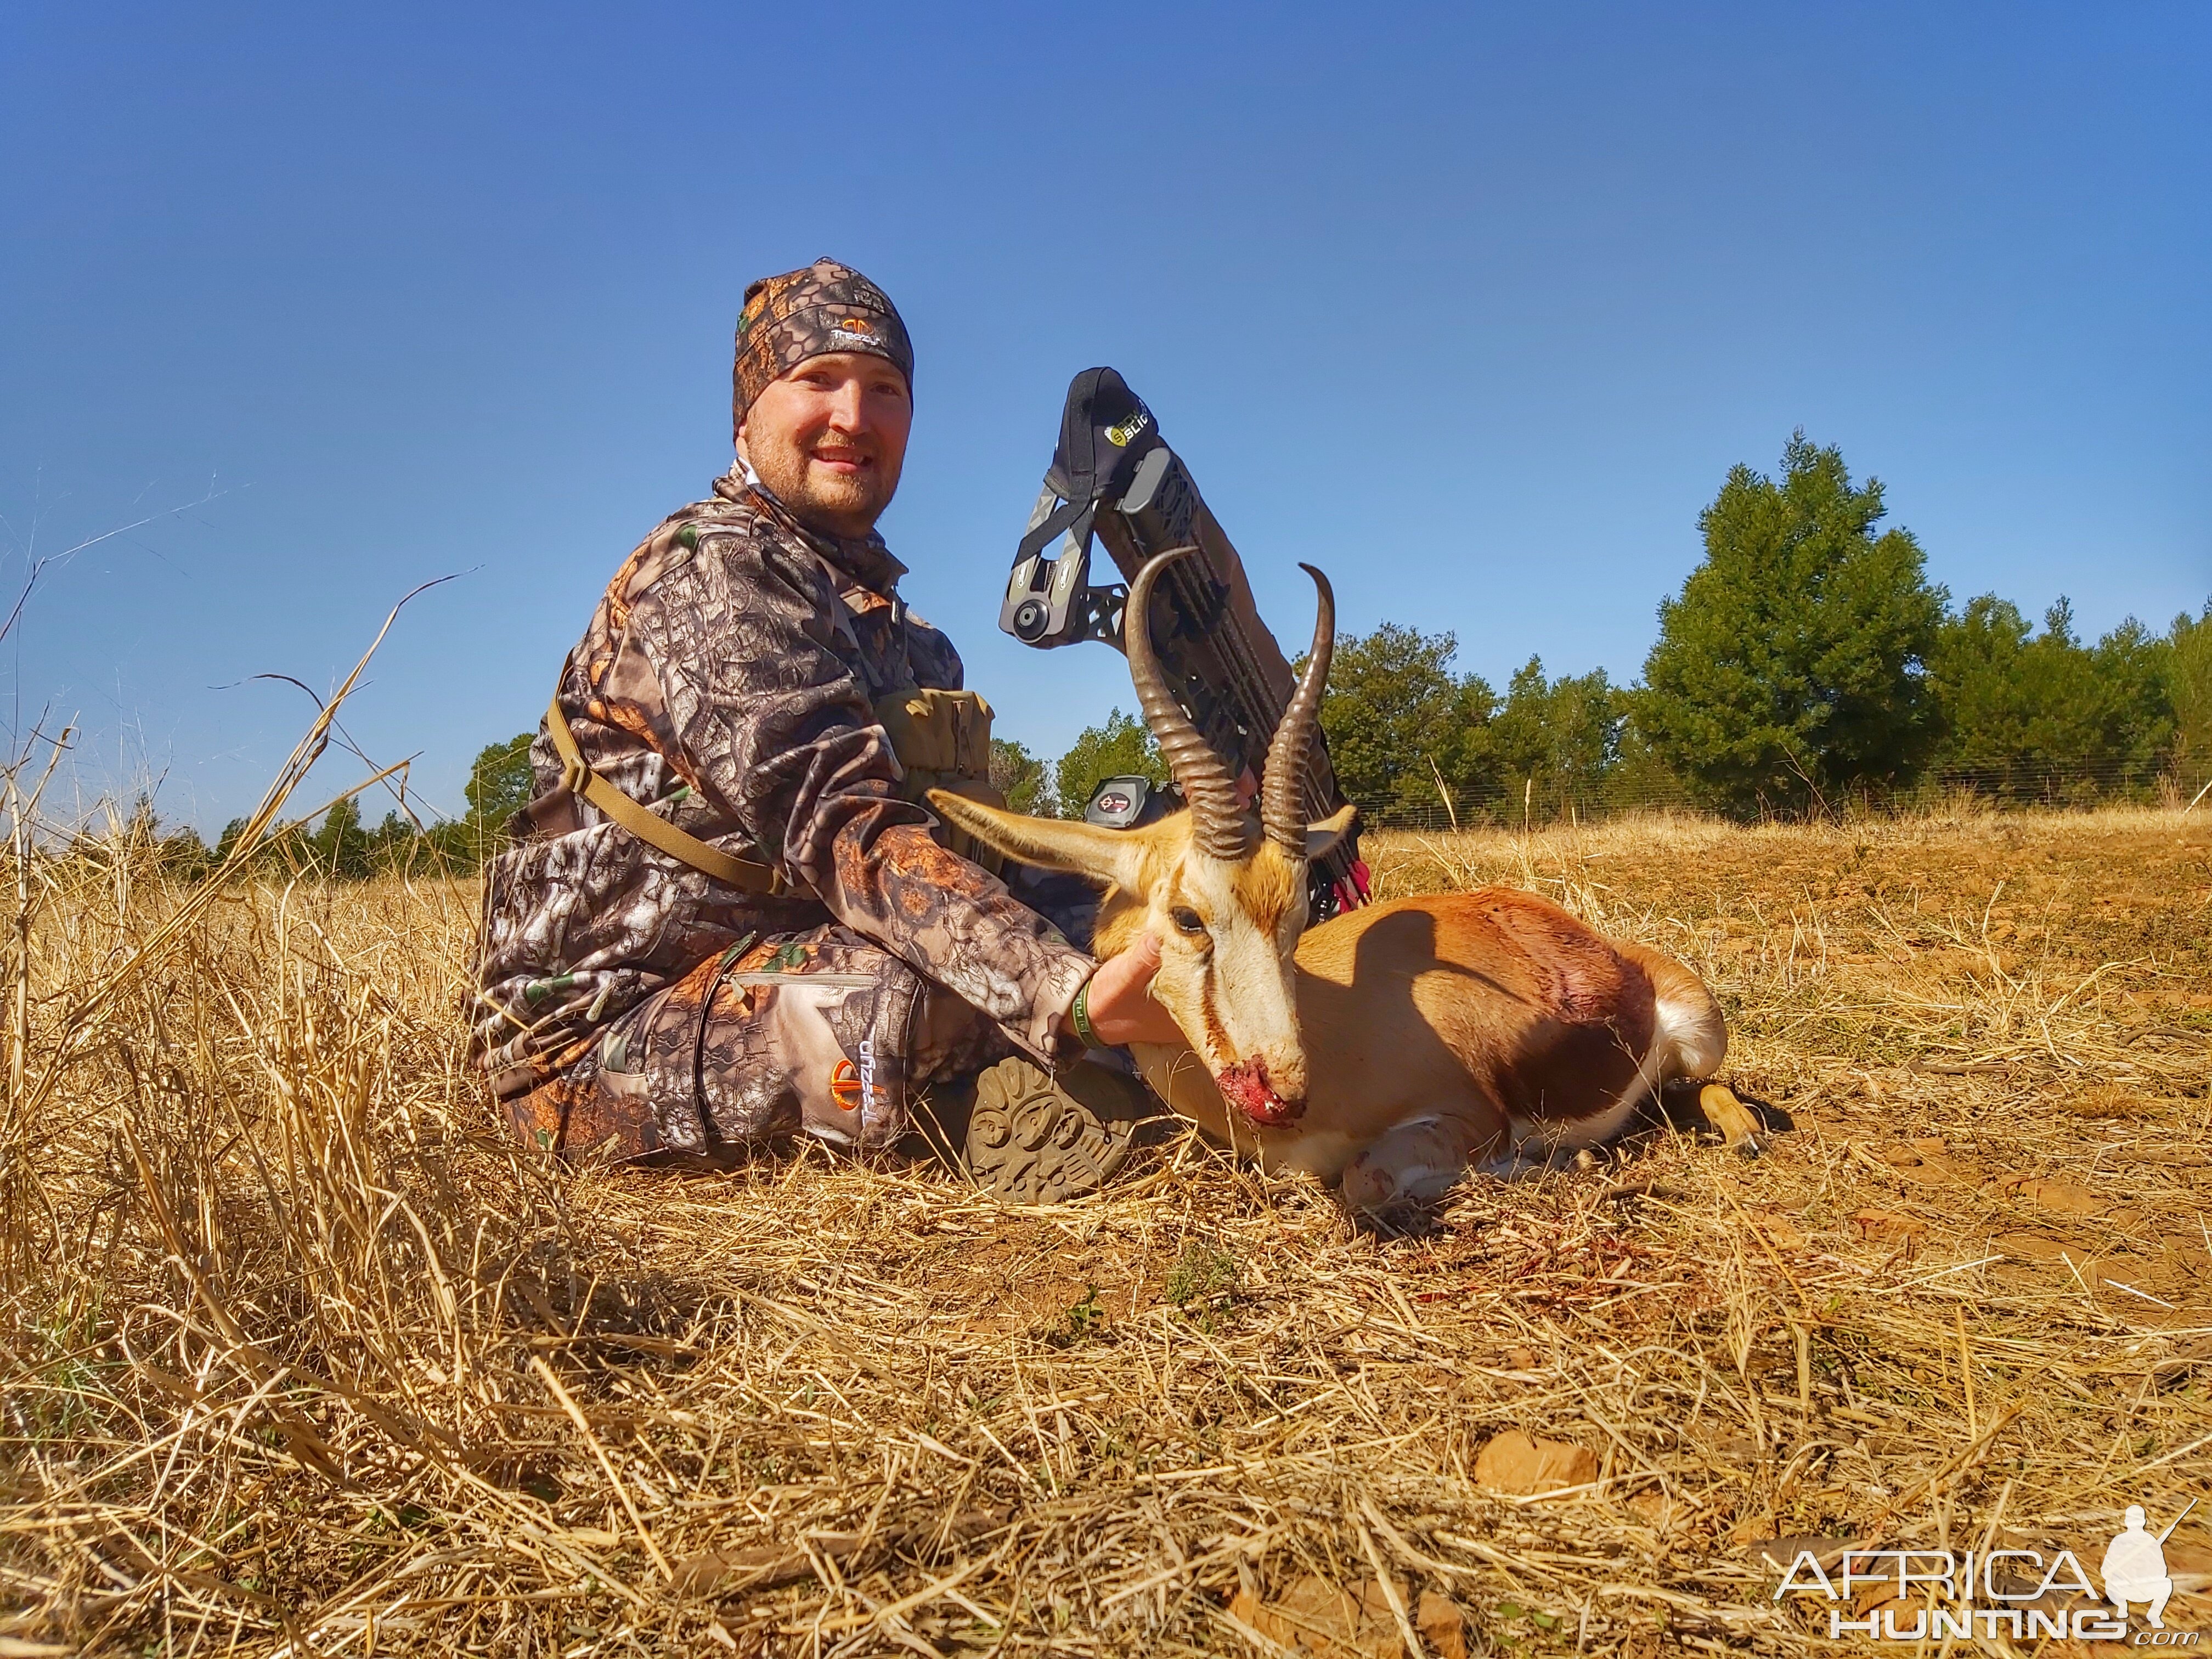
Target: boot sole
{"x":1029,"y":1140}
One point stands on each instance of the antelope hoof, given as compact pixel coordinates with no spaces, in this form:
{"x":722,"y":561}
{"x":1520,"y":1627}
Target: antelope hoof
{"x":1731,"y":1117}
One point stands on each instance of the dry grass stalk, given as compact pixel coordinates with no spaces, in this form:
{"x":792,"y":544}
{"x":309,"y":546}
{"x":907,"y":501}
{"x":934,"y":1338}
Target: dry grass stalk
{"x":299,"y":1356}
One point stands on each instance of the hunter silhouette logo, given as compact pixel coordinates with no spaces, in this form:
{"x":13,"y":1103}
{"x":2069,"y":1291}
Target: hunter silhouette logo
{"x":1978,"y":1593}
{"x":2135,"y":1567}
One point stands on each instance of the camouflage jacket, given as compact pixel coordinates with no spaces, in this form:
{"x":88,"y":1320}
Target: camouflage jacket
{"x":728,"y":680}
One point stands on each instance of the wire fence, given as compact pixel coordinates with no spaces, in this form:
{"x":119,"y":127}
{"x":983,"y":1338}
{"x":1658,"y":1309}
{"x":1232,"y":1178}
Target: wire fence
{"x":1536,"y":802}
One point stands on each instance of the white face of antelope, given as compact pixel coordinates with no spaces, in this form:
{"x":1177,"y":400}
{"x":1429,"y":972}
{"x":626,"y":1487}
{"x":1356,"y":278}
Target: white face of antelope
{"x":1228,"y":928}
{"x":1227,"y":932}
{"x":1226,"y":904}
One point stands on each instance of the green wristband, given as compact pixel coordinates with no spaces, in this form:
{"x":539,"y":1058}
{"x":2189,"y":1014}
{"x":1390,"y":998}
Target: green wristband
{"x":1078,"y":1016}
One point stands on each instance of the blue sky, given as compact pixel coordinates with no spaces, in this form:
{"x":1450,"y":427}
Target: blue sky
{"x":1472,"y":306}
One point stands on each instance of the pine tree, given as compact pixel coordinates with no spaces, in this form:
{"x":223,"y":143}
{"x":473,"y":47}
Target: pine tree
{"x":1397,"y":718}
{"x":1022,"y":778}
{"x":2189,"y":693}
{"x":228,"y":840}
{"x":2032,"y":716}
{"x":1790,"y":668}
{"x":340,"y":847}
{"x":1558,"y":738}
{"x":500,"y":784}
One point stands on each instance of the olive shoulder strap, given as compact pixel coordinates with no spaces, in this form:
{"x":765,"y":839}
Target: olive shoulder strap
{"x":650,"y":827}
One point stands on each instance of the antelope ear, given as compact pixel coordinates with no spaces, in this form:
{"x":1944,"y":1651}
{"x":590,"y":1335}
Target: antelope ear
{"x":1083,"y":849}
{"x":1322,"y":838}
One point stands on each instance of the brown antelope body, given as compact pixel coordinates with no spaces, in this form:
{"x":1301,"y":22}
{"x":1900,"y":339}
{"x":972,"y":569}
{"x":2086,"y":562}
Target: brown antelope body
{"x":1393,"y":1047}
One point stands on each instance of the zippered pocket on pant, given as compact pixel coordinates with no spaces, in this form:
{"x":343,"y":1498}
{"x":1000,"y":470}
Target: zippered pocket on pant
{"x":845,"y":981}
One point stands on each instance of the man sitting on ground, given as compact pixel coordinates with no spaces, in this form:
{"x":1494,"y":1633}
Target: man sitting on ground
{"x":724,"y":919}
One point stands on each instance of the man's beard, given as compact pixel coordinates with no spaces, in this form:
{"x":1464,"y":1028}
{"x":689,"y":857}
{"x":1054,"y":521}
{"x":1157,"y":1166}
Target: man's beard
{"x":826,"y":500}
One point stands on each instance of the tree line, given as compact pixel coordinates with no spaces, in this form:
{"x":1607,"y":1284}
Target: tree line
{"x":1807,"y":663}
{"x":346,"y":845}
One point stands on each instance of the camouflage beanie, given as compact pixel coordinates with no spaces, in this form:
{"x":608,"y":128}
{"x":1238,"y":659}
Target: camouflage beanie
{"x":806,"y":313}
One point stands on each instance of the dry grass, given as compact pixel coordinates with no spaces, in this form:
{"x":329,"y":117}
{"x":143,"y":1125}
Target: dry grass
{"x":299,"y":1357}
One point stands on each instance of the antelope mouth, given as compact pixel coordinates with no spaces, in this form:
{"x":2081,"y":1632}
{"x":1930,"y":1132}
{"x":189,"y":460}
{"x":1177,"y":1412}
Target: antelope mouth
{"x":1245,"y":1086}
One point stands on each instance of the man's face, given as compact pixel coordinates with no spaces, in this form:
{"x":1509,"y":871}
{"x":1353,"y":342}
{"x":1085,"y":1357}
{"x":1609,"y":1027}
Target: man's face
{"x":830,"y":437}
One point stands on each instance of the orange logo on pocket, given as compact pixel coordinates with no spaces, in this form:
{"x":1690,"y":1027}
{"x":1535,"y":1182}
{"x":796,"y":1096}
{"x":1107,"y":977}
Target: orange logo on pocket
{"x":845,"y":1085}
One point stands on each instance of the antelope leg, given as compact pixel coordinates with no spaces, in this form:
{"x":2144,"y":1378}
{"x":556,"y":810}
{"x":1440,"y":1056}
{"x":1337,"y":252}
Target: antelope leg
{"x":1419,"y":1157}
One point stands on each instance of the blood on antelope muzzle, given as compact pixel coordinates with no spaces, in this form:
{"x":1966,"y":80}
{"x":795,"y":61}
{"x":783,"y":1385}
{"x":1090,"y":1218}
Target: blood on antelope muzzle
{"x":1245,"y":1086}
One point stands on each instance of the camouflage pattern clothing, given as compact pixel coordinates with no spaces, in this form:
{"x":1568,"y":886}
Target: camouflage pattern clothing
{"x":728,"y":680}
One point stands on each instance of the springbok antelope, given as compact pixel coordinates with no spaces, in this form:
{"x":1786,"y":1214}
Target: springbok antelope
{"x":1394,"y":1046}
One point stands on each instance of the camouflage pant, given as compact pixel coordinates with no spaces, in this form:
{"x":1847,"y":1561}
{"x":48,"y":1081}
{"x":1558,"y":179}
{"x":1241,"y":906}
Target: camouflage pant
{"x":819,"y":1033}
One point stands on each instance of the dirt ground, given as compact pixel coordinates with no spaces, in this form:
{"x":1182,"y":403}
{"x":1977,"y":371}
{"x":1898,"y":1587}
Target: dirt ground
{"x":300,"y":1358}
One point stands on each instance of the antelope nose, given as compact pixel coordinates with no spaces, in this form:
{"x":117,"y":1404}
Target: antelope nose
{"x":1248,"y":1088}
{"x":1286,"y":1077}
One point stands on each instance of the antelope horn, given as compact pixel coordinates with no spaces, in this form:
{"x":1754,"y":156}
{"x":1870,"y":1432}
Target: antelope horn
{"x":1282,"y":801}
{"x":1201,"y":773}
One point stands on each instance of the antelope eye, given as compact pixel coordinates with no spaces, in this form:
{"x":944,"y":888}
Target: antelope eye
{"x":1187,"y":919}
